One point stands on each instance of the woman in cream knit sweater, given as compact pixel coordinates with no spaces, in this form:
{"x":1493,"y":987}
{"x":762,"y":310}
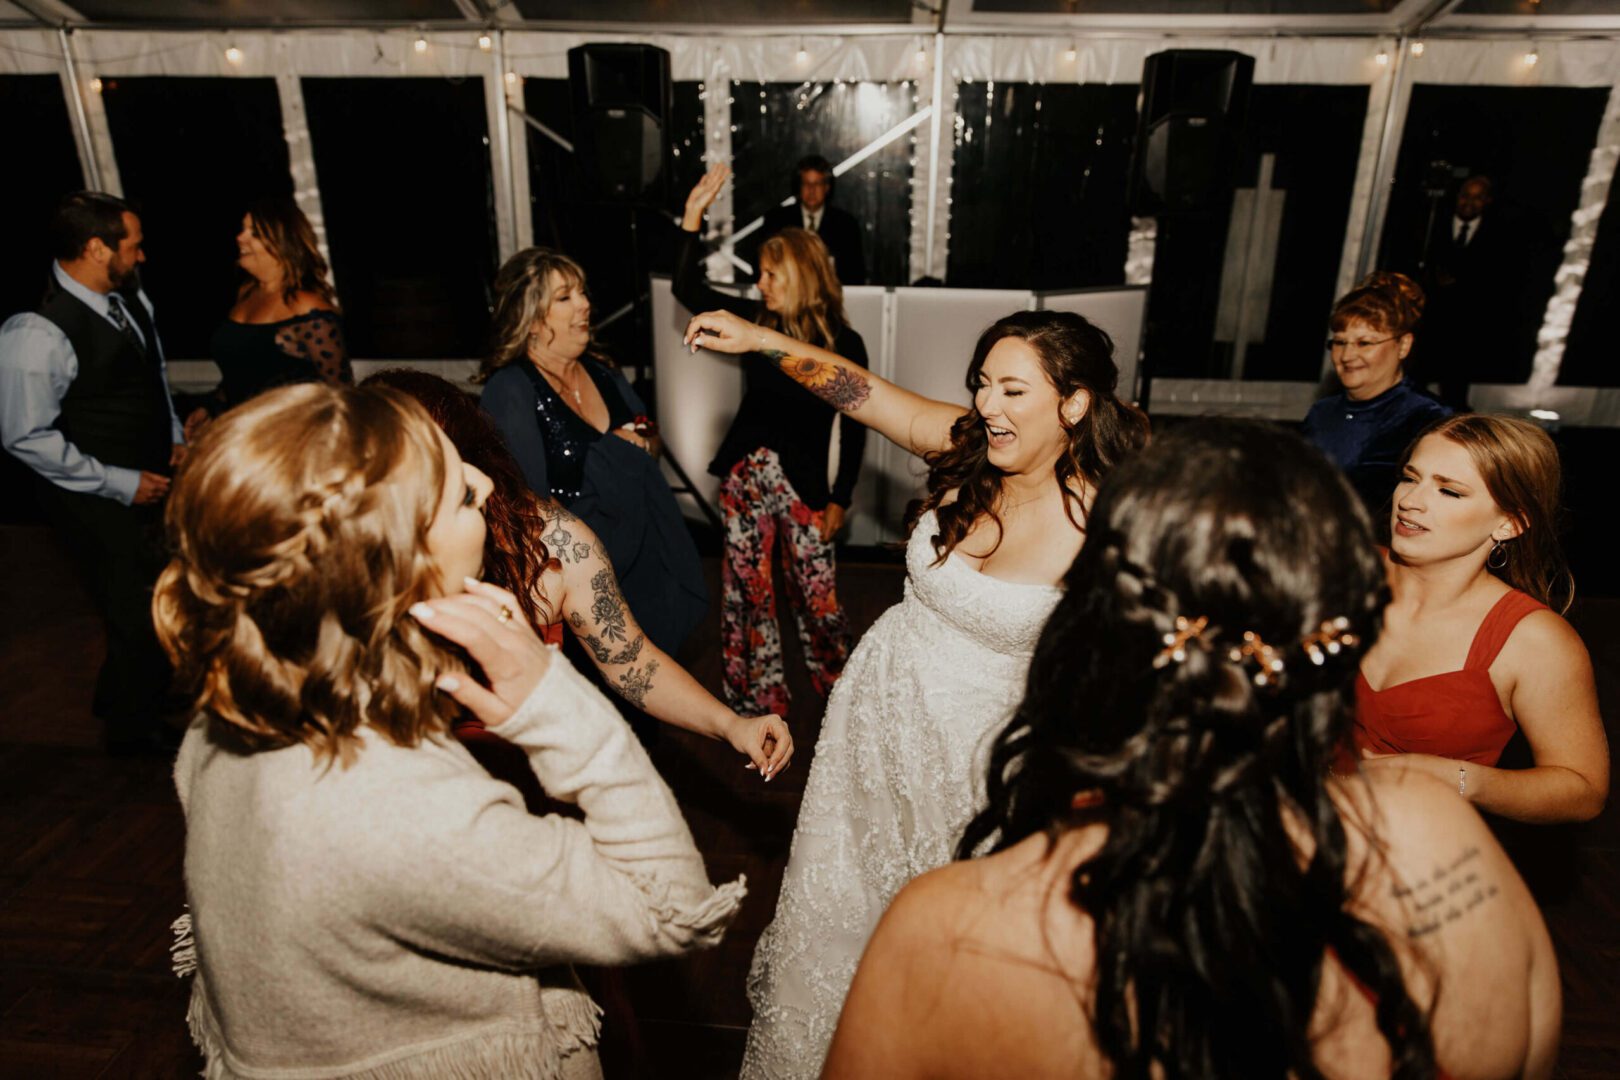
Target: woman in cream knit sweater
{"x":366,"y":901}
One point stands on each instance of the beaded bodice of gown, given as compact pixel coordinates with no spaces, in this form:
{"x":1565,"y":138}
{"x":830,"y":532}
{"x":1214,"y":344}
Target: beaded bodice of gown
{"x":898,"y":773}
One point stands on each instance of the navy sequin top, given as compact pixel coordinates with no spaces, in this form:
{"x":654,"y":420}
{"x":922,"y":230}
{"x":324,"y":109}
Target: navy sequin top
{"x":1367,"y":438}
{"x":254,"y":357}
{"x":615,"y":487}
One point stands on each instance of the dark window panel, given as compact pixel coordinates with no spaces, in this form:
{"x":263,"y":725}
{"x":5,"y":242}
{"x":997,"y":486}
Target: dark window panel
{"x":776,"y":124}
{"x":193,"y":153}
{"x":34,"y":123}
{"x":1534,"y":143}
{"x":1065,"y":151}
{"x":404,"y":169}
{"x":1315,"y":133}
{"x":568,"y":216}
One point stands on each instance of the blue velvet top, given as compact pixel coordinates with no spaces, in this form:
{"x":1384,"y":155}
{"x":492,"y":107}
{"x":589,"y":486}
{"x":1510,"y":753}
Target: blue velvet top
{"x":1367,"y":438}
{"x":615,"y":488}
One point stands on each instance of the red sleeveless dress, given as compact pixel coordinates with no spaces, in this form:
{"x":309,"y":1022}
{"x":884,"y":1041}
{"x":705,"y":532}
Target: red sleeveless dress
{"x":1455,"y":714}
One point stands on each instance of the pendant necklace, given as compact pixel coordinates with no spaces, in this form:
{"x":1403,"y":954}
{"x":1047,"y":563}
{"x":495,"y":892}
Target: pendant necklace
{"x":565,"y":383}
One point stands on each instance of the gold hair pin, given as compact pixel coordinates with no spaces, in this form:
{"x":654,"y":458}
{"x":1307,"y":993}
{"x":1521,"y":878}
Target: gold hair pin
{"x":1331,"y":637}
{"x":1175,"y":641}
{"x":1265,"y":657}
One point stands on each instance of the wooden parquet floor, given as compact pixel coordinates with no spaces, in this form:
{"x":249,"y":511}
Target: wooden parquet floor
{"x":90,"y":864}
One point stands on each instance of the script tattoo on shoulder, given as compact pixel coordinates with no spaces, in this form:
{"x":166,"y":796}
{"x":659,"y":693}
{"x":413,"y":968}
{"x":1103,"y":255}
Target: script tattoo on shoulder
{"x":635,"y":683}
{"x":845,"y":389}
{"x":1449,"y":892}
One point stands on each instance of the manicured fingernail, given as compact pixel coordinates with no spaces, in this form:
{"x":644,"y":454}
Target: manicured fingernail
{"x":471,"y":582}
{"x":422,"y":611}
{"x":448,"y":683}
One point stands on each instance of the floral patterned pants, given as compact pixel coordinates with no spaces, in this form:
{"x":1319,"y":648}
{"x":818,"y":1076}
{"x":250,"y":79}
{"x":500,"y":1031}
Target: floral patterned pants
{"x":759,"y":504}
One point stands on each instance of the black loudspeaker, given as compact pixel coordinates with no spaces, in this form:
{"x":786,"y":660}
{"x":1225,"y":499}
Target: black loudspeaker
{"x":621,"y":97}
{"x":1189,"y":128}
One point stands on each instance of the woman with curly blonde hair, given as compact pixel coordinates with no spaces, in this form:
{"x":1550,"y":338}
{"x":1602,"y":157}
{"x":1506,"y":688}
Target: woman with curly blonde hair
{"x":366,"y":901}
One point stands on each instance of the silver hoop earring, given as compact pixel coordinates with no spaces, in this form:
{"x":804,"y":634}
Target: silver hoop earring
{"x":1498,"y":557}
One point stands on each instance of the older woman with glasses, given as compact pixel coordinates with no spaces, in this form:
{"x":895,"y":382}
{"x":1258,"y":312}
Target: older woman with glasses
{"x":1367,"y":426}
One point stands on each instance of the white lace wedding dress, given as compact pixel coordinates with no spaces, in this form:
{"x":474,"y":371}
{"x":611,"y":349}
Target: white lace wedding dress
{"x":898,"y":773}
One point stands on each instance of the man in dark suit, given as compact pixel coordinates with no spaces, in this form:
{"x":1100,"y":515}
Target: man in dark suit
{"x":1477,"y":322}
{"x":812,"y":210}
{"x":84,"y":403}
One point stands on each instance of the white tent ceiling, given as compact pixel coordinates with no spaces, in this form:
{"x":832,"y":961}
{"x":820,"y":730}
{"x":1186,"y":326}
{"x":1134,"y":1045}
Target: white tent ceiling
{"x":964,"y":16}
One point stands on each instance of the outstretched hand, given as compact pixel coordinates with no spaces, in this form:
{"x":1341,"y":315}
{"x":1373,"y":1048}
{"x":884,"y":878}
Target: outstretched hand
{"x":487,"y":621}
{"x":703,"y":194}
{"x":723,"y":332}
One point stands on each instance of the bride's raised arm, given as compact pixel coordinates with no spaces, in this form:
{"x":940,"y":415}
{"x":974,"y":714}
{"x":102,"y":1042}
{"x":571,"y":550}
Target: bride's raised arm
{"x":919,"y":424}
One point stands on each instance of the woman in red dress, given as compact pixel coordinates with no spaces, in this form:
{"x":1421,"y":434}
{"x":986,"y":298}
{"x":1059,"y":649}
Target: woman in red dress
{"x":1472,"y":647}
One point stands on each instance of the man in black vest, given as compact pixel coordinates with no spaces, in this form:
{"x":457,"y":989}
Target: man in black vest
{"x":84,"y":403}
{"x":813,"y":210}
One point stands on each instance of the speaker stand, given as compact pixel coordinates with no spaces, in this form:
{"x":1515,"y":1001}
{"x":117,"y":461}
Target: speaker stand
{"x":642,"y":307}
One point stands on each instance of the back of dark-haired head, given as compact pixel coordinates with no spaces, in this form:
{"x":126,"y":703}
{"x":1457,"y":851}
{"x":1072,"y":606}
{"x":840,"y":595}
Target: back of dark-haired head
{"x":1389,"y":302}
{"x":1075,"y":354}
{"x":1210,"y":925}
{"x":812,"y":163}
{"x":289,"y":237}
{"x":514,"y":555}
{"x":84,"y":216}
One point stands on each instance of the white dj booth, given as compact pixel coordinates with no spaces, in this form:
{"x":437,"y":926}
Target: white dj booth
{"x":920,"y":338}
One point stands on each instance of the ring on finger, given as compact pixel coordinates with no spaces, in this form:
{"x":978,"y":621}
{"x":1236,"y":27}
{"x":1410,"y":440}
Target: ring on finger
{"x":505,"y":615}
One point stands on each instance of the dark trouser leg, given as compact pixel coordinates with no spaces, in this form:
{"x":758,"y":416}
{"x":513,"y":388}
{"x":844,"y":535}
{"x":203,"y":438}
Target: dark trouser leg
{"x":120,"y":550}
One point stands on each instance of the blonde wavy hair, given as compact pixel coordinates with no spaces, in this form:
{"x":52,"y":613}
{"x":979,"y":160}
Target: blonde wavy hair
{"x":523,"y":296}
{"x":299,"y":524}
{"x":812,"y":298}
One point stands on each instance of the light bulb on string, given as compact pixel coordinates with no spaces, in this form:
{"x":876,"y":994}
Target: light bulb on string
{"x":922,"y":54}
{"x":511,"y":78}
{"x":1532,"y":58}
{"x":95,"y":84}
{"x":803,"y":55}
{"x":1417,"y":48}
{"x":1382,"y":59}
{"x":1070,"y":53}
{"x":485,"y":42}
{"x":233,"y":54}
{"x":421,"y":45}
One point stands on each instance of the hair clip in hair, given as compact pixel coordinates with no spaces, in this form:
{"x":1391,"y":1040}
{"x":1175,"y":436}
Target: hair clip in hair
{"x":1175,"y":641}
{"x":1330,"y":638}
{"x":1265,"y":657}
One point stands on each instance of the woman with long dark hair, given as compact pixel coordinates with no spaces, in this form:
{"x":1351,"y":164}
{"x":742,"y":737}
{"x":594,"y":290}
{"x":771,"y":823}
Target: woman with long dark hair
{"x":285,"y":326}
{"x":773,"y":465}
{"x":559,"y":571}
{"x":894,"y":777}
{"x":1177,"y":887}
{"x":580,"y":433}
{"x":1474,"y":645}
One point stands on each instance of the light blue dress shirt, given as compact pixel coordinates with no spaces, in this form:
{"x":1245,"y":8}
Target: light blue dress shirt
{"x":37,"y":366}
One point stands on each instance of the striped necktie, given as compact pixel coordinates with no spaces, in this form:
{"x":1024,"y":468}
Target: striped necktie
{"x":120,"y":319}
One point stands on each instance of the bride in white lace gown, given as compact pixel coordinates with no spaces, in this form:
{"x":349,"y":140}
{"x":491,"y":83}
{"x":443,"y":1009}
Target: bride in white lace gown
{"x":898,"y":768}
